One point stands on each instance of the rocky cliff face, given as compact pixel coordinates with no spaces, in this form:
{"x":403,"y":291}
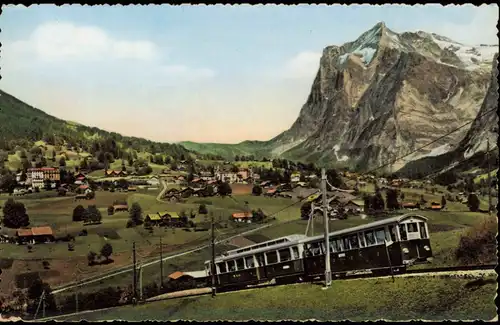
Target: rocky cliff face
{"x":470,"y":150}
{"x":387,"y":94}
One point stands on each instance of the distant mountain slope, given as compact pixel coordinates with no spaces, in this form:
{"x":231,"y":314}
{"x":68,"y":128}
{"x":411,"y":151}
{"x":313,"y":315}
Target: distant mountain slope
{"x":384,"y":95}
{"x":387,"y":94}
{"x":469,"y":152}
{"x":20,"y":122}
{"x":258,"y":149}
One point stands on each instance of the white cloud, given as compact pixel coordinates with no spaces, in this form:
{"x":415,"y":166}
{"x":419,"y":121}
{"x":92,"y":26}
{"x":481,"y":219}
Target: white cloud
{"x":481,"y":29}
{"x":57,"y":41}
{"x":302,"y":66}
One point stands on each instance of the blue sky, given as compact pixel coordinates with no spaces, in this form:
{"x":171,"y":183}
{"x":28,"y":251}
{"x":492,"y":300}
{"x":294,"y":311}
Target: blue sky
{"x":199,"y":73}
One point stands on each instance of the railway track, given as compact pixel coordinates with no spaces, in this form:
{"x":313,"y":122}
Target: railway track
{"x":458,"y":271}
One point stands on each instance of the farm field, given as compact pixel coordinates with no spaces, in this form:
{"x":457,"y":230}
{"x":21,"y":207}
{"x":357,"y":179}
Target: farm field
{"x":64,"y":265}
{"x":356,"y":300}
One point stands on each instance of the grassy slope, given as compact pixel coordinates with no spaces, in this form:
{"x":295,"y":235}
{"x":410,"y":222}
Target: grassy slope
{"x":22,"y":121}
{"x":257,"y":148}
{"x":356,"y":300}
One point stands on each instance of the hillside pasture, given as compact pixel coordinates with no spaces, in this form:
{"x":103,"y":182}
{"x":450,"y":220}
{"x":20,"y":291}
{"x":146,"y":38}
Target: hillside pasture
{"x":355,"y":300}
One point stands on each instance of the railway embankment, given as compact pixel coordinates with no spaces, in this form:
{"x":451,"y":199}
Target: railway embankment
{"x":405,"y":298}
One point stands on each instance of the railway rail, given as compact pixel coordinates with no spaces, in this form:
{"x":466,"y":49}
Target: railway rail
{"x":459,"y":271}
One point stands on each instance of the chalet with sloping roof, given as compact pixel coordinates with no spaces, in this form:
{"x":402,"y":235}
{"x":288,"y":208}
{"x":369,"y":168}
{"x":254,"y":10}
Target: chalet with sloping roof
{"x":43,"y":234}
{"x":242,"y":217}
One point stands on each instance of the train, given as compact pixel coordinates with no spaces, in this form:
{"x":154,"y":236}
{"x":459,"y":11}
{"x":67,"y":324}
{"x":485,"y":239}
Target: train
{"x":382,"y":247}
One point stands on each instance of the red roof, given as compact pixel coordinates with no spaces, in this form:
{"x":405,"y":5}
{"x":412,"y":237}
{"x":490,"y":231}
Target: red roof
{"x":271,"y":191}
{"x":42,"y":231}
{"x":242,"y":215}
{"x":80,"y":177}
{"x":176,"y":275}
{"x":83,"y":187}
{"x":24,"y":232}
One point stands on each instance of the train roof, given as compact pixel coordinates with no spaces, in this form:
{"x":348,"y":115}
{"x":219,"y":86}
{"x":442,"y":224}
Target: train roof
{"x":262,"y":247}
{"x":375,"y":224}
{"x":271,"y":242}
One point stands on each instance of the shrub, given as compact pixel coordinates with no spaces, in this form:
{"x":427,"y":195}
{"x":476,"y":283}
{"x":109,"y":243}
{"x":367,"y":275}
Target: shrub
{"x":478,"y":244}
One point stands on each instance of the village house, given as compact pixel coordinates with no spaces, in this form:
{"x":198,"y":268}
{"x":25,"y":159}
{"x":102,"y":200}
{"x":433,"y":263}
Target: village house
{"x":207,"y":176}
{"x":411,"y":206}
{"x":172,"y":219}
{"x":242,"y":217}
{"x":37,"y":176}
{"x":270,"y":192}
{"x":120,"y":207}
{"x":153,"y":219}
{"x":295,"y":177}
{"x":436,"y":206}
{"x":228,"y":177}
{"x":115,"y":173}
{"x":35,"y":235}
{"x":243,"y":174}
{"x":153,"y":181}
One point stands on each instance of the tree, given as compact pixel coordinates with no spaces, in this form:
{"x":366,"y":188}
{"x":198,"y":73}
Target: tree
{"x":53,"y":155}
{"x":473,"y":202}
{"x":136,"y":214}
{"x":35,"y":292}
{"x":91,"y":257}
{"x":62,"y":162}
{"x":14,"y":215}
{"x":202,"y":209}
{"x":47,"y":184}
{"x":111,"y":210}
{"x":78,"y":213}
{"x":334,"y":178}
{"x":8,"y":183}
{"x":107,"y":250}
{"x":378,"y":201}
{"x":257,"y":190}
{"x":392,"y":199}
{"x":367,"y":199}
{"x":92,"y":215}
{"x":443,"y":201}
{"x":225,"y":189}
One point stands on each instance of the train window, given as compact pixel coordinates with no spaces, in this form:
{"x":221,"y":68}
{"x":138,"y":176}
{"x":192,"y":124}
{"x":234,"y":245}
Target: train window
{"x":339,"y":245}
{"x":423,"y":231}
{"x":353,"y":240}
{"x":412,"y":227}
{"x":402,"y":231}
{"x":295,"y":253}
{"x":370,"y":238}
{"x":284,"y":255}
{"x":231,"y":266}
{"x":392,"y":233}
{"x":345,"y":243}
{"x":335,"y":246}
{"x":240,"y":264}
{"x":361,"y":240}
{"x":260,"y":259}
{"x":315,"y":249}
{"x":272,"y":257}
{"x":222,"y":267}
{"x":249,"y":262}
{"x":380,"y":235}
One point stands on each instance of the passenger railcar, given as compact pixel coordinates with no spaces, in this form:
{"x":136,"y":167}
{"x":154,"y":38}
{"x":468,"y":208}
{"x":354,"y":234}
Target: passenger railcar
{"x":393,"y":243}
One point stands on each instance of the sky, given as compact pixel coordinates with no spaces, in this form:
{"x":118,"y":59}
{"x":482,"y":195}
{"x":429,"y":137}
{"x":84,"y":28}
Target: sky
{"x":195,"y":73}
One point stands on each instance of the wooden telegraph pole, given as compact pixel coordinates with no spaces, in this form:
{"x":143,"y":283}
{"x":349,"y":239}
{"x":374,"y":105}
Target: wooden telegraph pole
{"x":161,"y":264}
{"x":134,"y":282}
{"x":212,"y":264}
{"x":328,"y":272}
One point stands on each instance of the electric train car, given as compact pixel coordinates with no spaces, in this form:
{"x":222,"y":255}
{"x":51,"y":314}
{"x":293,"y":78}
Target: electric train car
{"x":396,"y":243}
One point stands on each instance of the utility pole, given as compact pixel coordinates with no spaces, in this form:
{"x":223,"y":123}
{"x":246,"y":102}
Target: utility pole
{"x":134,"y":282}
{"x":312,"y":219}
{"x":161,"y":264}
{"x":140,"y":282}
{"x":489,"y":175}
{"x":328,"y":272}
{"x":212,"y":268}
